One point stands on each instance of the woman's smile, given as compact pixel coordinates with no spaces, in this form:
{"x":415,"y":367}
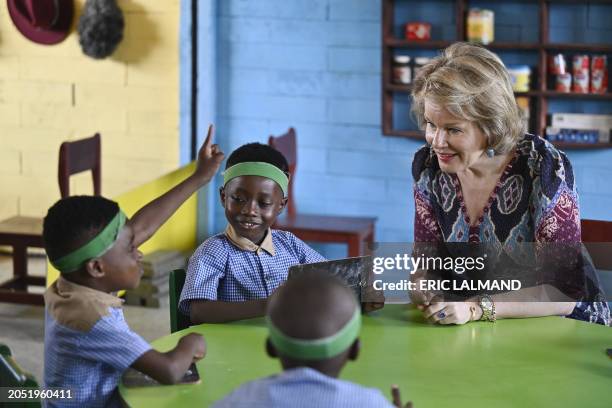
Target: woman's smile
{"x":445,"y":157}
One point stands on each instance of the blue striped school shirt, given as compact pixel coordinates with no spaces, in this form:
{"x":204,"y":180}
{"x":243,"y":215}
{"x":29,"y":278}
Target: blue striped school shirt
{"x":232,"y":269}
{"x":88,"y":345}
{"x":303,"y":388}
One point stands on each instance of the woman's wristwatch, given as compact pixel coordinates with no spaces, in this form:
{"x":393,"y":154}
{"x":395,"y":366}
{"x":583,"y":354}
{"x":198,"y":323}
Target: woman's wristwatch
{"x":488,"y":308}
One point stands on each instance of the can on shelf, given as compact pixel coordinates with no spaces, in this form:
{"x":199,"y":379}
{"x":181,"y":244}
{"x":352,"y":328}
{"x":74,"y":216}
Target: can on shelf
{"x":563,"y":82}
{"x":557,"y":64}
{"x":418,"y":31}
{"x":402,"y":74}
{"x":599,"y":74}
{"x":480,"y":23}
{"x":520,"y":75}
{"x":581,"y":73}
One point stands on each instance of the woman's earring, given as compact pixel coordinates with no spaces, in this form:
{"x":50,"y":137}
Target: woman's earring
{"x":490,"y":152}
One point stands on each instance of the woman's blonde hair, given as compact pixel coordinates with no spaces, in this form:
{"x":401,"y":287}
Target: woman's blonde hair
{"x":473,"y":84}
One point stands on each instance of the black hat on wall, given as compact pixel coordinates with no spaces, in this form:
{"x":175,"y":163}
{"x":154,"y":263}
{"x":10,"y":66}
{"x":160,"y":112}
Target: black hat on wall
{"x":100,"y":28}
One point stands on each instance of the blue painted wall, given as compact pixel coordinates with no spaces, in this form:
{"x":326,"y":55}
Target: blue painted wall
{"x":315,"y":65}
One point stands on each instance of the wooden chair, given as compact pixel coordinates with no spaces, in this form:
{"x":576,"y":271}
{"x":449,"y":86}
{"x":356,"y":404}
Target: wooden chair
{"x":597,"y":237}
{"x":21,"y":232}
{"x":356,"y":232}
{"x":178,"y":321}
{"x":76,"y":157}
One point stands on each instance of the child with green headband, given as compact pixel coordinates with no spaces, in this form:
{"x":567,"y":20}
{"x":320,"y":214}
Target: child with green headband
{"x":88,"y":344}
{"x":231,"y":275}
{"x":314,"y":323}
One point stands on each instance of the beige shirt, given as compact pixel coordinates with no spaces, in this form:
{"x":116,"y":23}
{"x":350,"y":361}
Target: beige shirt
{"x":76,"y":306}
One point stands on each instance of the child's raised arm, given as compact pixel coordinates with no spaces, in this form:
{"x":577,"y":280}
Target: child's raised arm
{"x":170,"y":367}
{"x":152,"y":216}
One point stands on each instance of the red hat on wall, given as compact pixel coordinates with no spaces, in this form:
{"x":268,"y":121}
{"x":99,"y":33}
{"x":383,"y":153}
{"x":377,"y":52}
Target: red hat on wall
{"x":42,"y":21}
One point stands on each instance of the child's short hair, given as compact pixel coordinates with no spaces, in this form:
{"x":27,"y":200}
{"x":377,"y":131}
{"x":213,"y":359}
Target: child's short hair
{"x":75,"y":220}
{"x":257,"y":152}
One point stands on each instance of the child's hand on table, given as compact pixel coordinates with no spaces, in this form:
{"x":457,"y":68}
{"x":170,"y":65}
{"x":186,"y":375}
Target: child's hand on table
{"x":397,"y":399}
{"x":195,"y":343}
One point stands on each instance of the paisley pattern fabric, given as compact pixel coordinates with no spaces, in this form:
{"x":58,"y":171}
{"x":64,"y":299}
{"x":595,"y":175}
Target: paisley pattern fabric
{"x":535,"y":200}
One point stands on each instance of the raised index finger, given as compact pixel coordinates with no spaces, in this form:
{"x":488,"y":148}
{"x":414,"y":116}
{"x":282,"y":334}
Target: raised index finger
{"x":208,"y":140}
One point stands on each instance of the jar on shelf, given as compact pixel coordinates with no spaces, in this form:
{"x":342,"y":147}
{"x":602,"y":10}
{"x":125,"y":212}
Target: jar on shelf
{"x":419,"y":62}
{"x":402,"y":74}
{"x":520,"y":75}
{"x":480,"y":23}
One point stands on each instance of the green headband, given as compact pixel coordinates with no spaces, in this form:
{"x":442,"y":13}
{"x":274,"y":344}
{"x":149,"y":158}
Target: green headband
{"x":316,"y":349}
{"x":261,"y":169}
{"x":94,"y":248}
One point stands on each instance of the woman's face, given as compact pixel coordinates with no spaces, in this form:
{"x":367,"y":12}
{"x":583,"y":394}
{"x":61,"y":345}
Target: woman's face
{"x":457,"y":143}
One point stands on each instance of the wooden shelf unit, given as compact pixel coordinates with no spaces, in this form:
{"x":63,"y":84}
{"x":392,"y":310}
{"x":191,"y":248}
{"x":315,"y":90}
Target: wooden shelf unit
{"x":539,"y":97}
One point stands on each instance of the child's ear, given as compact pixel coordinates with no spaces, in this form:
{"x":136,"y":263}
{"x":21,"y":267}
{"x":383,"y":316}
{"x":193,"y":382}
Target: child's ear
{"x":94,"y":268}
{"x":283,"y":204}
{"x":270,"y":349}
{"x":354,"y":351}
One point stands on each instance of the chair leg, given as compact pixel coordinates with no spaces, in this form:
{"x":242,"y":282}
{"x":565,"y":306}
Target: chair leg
{"x":20,"y":261}
{"x":354,"y":246}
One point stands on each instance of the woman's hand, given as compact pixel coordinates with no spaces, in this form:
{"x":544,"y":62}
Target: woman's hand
{"x":210,"y":157}
{"x":372,"y":299}
{"x":452,"y":312}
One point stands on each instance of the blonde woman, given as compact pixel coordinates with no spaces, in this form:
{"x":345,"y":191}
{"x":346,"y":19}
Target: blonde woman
{"x":482,"y":179}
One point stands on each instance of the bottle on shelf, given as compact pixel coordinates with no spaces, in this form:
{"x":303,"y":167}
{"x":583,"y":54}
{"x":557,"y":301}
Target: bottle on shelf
{"x":599,"y":74}
{"x":402,"y":74}
{"x":581,"y":74}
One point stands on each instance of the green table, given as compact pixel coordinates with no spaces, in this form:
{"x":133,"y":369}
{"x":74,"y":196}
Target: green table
{"x":542,"y":362}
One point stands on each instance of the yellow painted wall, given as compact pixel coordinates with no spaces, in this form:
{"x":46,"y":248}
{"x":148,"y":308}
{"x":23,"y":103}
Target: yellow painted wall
{"x":49,"y":94}
{"x":178,"y":233}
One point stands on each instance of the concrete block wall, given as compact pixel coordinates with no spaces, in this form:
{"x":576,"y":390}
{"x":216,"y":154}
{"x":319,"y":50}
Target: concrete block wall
{"x":49,"y":94}
{"x":315,"y":65}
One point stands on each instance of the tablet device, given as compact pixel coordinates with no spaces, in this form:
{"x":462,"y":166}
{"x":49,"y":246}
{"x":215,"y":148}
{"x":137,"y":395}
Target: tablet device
{"x":134,"y":378}
{"x":354,"y":272}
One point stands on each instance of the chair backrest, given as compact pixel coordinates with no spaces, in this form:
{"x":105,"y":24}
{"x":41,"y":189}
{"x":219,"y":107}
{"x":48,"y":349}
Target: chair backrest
{"x":287,"y":145}
{"x":595,"y":232}
{"x":11,"y":375}
{"x":78,"y":156}
{"x":178,"y":321}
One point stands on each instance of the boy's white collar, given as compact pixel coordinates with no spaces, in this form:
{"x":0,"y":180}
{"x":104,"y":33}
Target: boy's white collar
{"x":247,"y":245}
